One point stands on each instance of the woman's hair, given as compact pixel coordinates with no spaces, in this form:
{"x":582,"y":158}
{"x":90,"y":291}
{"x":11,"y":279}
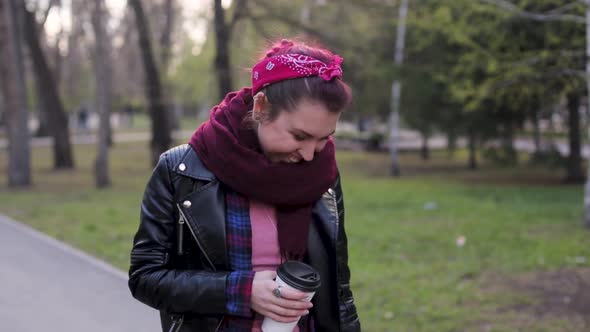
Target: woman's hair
{"x":335,"y":95}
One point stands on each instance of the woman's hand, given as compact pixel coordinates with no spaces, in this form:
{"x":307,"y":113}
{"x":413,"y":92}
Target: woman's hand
{"x":286,"y":309}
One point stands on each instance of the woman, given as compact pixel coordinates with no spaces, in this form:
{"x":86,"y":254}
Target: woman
{"x":256,"y":185}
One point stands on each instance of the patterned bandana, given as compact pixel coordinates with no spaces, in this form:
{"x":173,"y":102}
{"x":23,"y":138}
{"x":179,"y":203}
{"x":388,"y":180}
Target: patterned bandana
{"x":288,"y":66}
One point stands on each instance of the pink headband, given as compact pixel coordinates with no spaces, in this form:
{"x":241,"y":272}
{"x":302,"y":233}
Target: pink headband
{"x":288,"y":66}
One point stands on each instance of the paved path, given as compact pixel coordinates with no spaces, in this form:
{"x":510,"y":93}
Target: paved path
{"x":48,"y":286}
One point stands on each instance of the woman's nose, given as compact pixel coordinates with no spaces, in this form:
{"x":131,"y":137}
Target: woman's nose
{"x":307,"y":151}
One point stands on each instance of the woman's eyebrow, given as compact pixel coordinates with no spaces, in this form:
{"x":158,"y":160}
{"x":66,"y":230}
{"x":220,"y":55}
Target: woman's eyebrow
{"x":310,"y":135}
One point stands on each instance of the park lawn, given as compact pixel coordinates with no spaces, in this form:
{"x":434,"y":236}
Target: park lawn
{"x":142,"y":123}
{"x":408,"y":273}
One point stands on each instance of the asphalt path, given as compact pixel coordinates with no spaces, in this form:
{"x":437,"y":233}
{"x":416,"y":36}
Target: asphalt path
{"x":46,"y":285}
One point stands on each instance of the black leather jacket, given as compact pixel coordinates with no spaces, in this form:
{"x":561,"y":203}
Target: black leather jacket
{"x":179,"y":260}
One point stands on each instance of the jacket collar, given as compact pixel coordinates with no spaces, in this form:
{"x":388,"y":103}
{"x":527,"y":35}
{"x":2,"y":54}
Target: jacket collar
{"x":191,"y":165}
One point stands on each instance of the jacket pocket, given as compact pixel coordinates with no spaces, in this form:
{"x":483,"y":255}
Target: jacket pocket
{"x":150,"y":257}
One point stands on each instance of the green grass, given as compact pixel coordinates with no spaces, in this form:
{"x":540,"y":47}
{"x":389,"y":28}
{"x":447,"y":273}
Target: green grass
{"x":408,"y":274}
{"x":142,"y":123}
{"x":405,"y":260}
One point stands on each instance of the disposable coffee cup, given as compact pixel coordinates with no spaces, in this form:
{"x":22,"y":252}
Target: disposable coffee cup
{"x":293,"y":275}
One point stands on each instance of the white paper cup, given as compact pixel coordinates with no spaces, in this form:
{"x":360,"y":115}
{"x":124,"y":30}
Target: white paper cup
{"x":291,"y":271}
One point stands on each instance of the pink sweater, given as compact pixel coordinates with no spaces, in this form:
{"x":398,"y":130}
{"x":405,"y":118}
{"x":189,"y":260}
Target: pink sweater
{"x":265,"y":244}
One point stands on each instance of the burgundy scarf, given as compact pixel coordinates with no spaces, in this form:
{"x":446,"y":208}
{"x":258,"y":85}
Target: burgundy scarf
{"x":230,"y":149}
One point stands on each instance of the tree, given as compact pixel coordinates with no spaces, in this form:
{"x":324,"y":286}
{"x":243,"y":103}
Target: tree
{"x":165,"y":52}
{"x":166,"y":35}
{"x":57,"y":119}
{"x":103,"y":92}
{"x":223,"y":32}
{"x":12,"y":81}
{"x":222,"y":38}
{"x":564,"y":13}
{"x":160,"y":121}
{"x":575,"y":173}
{"x":42,"y":113}
{"x":397,"y":87}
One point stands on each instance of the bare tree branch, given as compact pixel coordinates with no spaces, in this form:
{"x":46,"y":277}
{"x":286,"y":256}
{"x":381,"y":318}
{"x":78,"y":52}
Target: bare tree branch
{"x":563,"y":8}
{"x":259,"y":27}
{"x":536,"y":59}
{"x":166,"y":35}
{"x":239,"y":13}
{"x":46,"y":12}
{"x":537,"y":76}
{"x":545,"y":17}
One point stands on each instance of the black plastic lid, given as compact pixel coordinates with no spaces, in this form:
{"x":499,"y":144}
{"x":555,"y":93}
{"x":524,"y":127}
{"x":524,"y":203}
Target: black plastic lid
{"x":299,"y":276}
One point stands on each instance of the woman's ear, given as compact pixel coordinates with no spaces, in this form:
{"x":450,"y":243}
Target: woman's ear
{"x":261,"y":106}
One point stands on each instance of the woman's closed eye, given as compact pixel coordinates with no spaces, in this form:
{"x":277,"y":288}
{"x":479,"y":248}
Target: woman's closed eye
{"x":299,"y":137}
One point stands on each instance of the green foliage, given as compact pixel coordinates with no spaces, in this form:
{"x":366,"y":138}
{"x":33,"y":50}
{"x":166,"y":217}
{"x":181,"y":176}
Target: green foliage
{"x":473,"y":65}
{"x":193,"y":79}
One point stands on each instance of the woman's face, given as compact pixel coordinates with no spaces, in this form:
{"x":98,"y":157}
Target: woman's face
{"x":296,"y":135}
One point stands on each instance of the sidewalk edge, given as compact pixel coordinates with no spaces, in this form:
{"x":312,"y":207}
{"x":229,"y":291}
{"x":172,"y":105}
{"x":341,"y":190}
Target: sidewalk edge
{"x":63,"y":246}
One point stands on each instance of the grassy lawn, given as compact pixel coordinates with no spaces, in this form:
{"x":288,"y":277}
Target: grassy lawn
{"x":142,"y":123}
{"x":523,"y":240}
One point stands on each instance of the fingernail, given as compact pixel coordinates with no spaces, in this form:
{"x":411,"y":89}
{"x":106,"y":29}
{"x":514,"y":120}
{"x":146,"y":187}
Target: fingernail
{"x":306,"y":312}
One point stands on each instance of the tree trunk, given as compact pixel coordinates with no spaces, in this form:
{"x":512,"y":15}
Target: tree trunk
{"x":472,"y":149}
{"x":305,"y":15}
{"x":72,"y":80}
{"x":160,"y":128}
{"x":575,"y":174}
{"x":536,"y":131}
{"x":451,"y":142}
{"x":166,"y":36}
{"x":57,"y":59}
{"x":42,"y":116}
{"x":508,"y":144}
{"x":396,"y":89}
{"x":57,"y":119}
{"x":222,"y":38}
{"x":587,"y":186}
{"x":103,"y":94}
{"x":165,"y":48}
{"x":12,"y":82}
{"x":425,"y":151}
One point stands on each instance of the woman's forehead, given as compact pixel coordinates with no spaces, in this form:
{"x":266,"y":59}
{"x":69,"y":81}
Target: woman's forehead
{"x":312,"y":118}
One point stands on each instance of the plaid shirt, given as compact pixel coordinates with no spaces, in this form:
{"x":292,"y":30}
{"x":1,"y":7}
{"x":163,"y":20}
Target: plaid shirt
{"x":240,"y":317}
{"x":239,"y":281}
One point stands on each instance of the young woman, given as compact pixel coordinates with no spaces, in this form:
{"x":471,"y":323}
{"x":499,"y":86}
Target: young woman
{"x":256,"y":185}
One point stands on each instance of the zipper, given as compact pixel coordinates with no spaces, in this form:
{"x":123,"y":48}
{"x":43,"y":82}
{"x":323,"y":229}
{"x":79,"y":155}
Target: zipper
{"x":176,"y":323}
{"x":332,"y":193}
{"x":196,"y":239}
{"x":180,"y":233}
{"x":219,"y":325}
{"x":182,"y":220}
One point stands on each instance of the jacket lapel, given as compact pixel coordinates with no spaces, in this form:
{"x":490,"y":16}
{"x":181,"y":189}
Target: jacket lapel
{"x":204,"y":209}
{"x":206,"y":219}
{"x":326,"y":210}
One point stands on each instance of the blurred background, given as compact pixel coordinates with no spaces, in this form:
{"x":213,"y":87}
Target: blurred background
{"x":464,"y":154}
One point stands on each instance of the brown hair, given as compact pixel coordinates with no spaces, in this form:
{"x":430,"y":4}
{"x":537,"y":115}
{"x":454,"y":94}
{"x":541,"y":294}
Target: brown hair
{"x":335,"y":95}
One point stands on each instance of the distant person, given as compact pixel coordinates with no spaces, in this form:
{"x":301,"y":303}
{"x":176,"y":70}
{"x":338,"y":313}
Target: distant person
{"x":257,"y":185}
{"x":83,"y":118}
{"x":128,"y":111}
